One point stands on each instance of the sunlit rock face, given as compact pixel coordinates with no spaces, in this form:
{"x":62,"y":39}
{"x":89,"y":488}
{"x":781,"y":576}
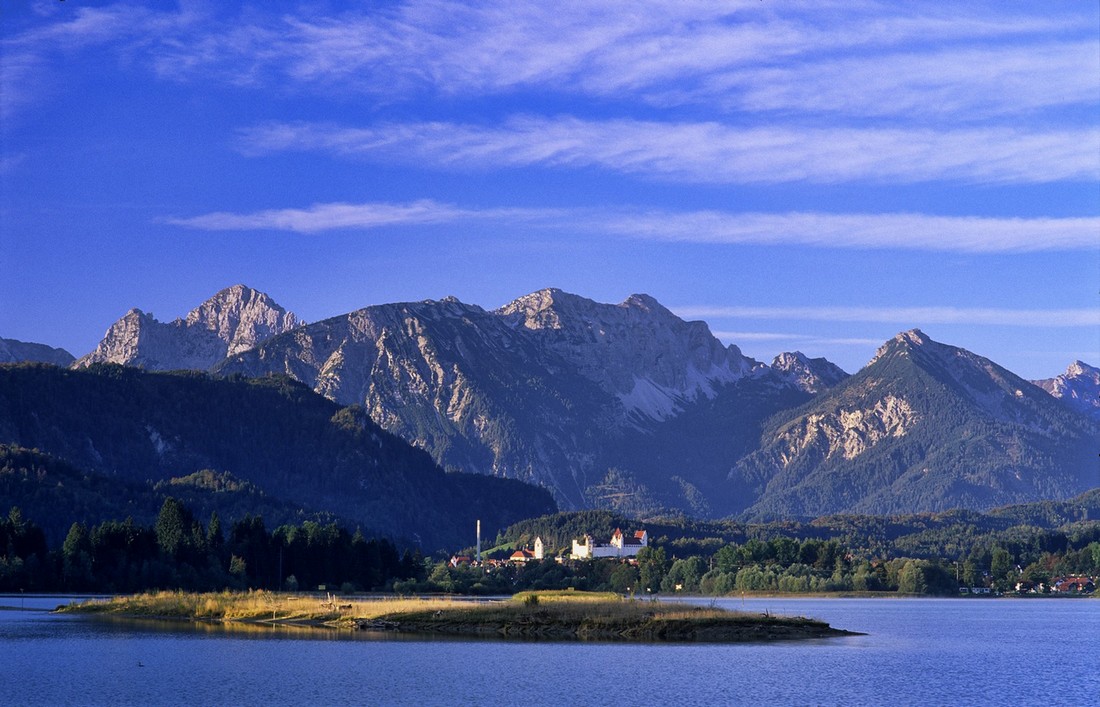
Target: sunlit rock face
{"x":1078,"y":387}
{"x":233,"y":320}
{"x":544,"y":389}
{"x":812,"y":375}
{"x":650,"y":359}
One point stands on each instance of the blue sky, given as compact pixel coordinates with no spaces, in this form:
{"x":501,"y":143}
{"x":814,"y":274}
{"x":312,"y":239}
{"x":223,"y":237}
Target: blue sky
{"x":801,"y":175}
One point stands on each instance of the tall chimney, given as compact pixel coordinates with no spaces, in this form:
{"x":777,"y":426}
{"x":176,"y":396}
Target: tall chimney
{"x":479,"y":541}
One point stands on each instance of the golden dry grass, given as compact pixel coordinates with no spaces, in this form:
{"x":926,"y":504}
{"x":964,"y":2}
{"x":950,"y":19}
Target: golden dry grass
{"x":259,"y":606}
{"x":571,"y":608}
{"x":541,"y":614}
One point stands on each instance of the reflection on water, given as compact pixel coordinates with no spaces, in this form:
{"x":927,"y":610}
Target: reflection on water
{"x":917,"y":652}
{"x":39,"y":602}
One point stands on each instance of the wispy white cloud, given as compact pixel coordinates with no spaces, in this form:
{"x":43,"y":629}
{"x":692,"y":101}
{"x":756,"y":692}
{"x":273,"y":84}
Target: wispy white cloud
{"x":868,"y":231}
{"x":905,"y":231}
{"x":708,"y":152}
{"x":643,"y":48}
{"x":854,"y":58}
{"x":32,"y":61}
{"x":758,"y":336}
{"x":905,"y":316}
{"x":967,"y":83}
{"x":327,"y":217}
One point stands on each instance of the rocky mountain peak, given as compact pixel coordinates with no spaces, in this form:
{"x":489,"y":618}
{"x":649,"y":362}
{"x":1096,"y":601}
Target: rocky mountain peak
{"x":914,"y":338}
{"x":1078,"y":387}
{"x":637,"y":350}
{"x":646,"y":303}
{"x":241,"y":317}
{"x":902,"y":344}
{"x":233,"y":320}
{"x":811,"y":375}
{"x":549,"y":308}
{"x":936,"y":423}
{"x":1080,"y":368}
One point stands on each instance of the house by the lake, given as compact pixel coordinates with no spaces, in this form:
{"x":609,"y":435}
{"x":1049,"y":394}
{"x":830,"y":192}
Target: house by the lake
{"x":525,"y":555}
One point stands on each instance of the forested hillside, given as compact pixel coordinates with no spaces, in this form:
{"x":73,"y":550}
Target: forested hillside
{"x":274,"y":438}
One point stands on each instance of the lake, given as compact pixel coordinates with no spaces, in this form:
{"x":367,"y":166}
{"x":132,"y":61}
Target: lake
{"x":917,"y":652}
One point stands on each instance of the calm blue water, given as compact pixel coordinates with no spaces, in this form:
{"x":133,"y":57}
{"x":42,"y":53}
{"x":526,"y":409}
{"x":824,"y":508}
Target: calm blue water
{"x":917,"y":652}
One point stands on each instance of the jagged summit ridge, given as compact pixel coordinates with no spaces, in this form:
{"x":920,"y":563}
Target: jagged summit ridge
{"x":638,"y":350}
{"x":925,"y":426}
{"x":549,"y":388}
{"x":241,"y":317}
{"x":902,"y":344}
{"x":811,"y":375}
{"x":233,"y":320}
{"x":1078,"y":387}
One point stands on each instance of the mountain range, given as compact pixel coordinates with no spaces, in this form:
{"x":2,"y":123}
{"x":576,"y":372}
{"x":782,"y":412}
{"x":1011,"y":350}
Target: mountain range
{"x":628,"y":407}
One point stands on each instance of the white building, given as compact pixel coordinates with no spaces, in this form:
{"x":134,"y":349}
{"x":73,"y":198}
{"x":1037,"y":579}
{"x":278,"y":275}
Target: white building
{"x":621,"y":545}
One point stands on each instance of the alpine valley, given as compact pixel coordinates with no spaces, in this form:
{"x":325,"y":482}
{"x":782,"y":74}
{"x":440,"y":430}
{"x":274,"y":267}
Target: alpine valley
{"x":624,"y":407}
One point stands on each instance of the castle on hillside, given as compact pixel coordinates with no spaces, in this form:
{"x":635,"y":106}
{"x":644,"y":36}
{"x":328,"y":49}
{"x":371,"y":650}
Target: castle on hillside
{"x":621,"y":545}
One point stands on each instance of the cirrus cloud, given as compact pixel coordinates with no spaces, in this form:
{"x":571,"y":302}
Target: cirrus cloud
{"x":866,"y":231}
{"x":706,"y":152}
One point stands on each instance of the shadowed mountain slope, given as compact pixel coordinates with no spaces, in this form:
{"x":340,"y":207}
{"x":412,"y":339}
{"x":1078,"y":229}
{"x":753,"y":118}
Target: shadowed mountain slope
{"x":274,"y":433}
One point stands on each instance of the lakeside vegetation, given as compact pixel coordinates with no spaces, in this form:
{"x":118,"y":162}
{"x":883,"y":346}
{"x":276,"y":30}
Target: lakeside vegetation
{"x":928,"y":553}
{"x":918,"y":555}
{"x":556,"y":615}
{"x":180,"y":552}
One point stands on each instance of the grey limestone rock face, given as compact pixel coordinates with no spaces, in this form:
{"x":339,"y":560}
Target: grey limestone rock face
{"x":811,"y":375}
{"x":1078,"y":387}
{"x":233,"y":320}
{"x":544,"y":389}
{"x":638,"y":350}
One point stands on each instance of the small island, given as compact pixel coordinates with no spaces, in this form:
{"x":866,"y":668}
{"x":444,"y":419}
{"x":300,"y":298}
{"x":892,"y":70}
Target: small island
{"x":556,"y":615}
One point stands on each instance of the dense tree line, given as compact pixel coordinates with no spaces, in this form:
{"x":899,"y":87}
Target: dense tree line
{"x":1026,"y":530}
{"x":180,"y":552}
{"x":778,"y":565}
{"x":918,"y":554}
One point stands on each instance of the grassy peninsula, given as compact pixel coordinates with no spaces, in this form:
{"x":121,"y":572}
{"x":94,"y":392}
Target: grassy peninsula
{"x":563,"y":615}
